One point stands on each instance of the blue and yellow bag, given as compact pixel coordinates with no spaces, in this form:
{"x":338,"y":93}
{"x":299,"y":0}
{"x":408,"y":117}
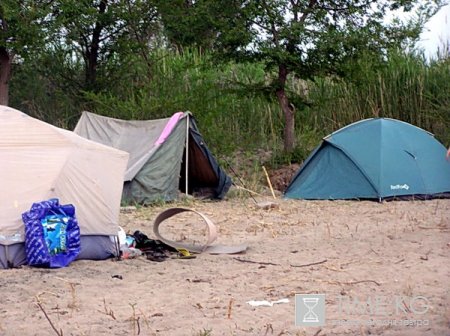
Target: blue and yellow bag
{"x":52,"y":234}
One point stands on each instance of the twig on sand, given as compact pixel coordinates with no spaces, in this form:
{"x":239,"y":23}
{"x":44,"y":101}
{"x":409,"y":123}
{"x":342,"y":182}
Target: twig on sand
{"x":256,"y":262}
{"x":372,"y":250}
{"x":248,"y":190}
{"x":38,"y":302}
{"x":333,"y":269}
{"x":311,"y":264}
{"x":433,"y":228}
{"x":230,"y":306}
{"x":339,"y":283}
{"x":268,"y":327}
{"x":318,"y":332}
{"x":135,"y":320}
{"x":108,"y":311}
{"x":361,"y":281}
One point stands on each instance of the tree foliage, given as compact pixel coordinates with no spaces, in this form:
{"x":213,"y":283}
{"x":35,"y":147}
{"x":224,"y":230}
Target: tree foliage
{"x":92,"y":41}
{"x":72,"y":51}
{"x":307,"y":38}
{"x":200,"y":23}
{"x":103,"y":33}
{"x":23,"y":27}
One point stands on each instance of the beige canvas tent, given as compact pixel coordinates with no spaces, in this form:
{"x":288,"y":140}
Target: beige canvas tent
{"x":39,"y":161}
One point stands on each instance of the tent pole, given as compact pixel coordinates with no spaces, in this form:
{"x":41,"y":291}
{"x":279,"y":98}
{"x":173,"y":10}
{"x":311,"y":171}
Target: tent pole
{"x":186,"y":159}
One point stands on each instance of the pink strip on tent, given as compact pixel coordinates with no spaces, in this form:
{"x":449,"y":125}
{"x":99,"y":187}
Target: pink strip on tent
{"x":169,"y":127}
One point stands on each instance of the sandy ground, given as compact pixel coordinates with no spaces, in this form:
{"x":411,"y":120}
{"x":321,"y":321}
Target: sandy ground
{"x":394,"y":254}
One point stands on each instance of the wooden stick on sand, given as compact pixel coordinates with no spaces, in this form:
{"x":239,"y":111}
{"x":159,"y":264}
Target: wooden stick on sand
{"x":268,"y":181}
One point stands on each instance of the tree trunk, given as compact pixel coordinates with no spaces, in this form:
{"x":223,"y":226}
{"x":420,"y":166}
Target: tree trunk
{"x":5,"y":75}
{"x":288,"y":110}
{"x":94,"y":47}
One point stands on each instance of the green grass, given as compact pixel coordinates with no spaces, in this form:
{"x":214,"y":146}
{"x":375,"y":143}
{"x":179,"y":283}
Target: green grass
{"x":231,"y":104}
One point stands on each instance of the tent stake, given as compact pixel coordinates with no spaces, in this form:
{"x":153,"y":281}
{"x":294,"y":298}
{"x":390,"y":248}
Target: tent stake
{"x":269,"y":182}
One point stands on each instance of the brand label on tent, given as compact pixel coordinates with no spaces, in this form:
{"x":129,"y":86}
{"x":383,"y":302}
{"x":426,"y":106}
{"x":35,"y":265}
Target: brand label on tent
{"x":399,"y":186}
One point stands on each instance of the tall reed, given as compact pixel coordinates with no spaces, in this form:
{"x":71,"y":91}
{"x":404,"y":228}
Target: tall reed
{"x":406,"y":88}
{"x":232,"y":104}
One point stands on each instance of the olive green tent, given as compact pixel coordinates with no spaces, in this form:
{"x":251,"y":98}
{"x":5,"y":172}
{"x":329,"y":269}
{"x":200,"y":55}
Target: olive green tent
{"x":158,"y":168}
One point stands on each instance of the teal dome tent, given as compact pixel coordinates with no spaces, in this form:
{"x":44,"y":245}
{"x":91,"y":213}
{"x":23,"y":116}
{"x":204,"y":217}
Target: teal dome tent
{"x":376,"y":158}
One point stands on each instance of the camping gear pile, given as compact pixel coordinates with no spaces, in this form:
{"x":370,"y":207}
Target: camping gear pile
{"x":162,"y":248}
{"x":154,"y":250}
{"x":137,"y":161}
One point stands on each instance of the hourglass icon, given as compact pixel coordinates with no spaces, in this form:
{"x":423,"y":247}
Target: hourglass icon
{"x":310,"y":303}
